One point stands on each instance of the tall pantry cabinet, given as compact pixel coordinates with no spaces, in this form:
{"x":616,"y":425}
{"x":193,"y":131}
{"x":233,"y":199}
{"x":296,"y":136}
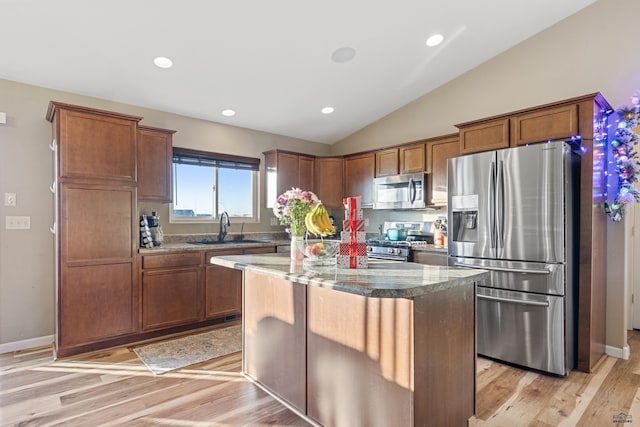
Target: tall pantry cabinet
{"x":95,"y":225}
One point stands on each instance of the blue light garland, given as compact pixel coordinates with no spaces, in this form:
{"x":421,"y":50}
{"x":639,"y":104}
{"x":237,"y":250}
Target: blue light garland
{"x":626,"y":159}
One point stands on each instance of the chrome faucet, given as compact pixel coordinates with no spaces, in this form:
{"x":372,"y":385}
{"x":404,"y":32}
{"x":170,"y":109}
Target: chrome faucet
{"x":223,"y":226}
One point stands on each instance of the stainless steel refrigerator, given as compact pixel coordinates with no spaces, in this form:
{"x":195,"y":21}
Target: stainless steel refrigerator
{"x":515,"y":212}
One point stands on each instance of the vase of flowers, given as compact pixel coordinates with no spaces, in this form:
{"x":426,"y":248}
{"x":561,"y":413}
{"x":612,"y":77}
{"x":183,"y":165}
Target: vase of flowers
{"x":290,"y":208}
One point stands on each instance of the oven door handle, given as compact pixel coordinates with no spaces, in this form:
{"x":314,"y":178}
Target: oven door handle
{"x":504,"y":269}
{"x":514,"y":301}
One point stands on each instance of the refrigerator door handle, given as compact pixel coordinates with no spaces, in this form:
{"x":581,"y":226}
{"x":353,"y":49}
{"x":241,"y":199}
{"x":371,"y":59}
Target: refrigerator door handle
{"x":500,"y":205}
{"x":492,"y":203}
{"x":514,"y":301}
{"x":504,"y":269}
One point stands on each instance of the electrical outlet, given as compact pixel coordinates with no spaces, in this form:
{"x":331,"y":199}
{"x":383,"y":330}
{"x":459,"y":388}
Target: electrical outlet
{"x":366,"y":222}
{"x":274,"y":221}
{"x":9,"y":199}
{"x":17,"y":222}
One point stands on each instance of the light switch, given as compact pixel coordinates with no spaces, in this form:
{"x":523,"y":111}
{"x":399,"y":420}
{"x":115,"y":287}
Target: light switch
{"x":17,"y":222}
{"x":9,"y":199}
{"x":3,"y":118}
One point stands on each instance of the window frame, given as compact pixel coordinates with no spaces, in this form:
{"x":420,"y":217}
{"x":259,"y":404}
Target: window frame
{"x":217,"y":161}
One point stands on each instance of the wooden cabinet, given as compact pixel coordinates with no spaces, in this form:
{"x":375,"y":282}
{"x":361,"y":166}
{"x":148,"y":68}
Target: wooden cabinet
{"x":328,"y":180}
{"x":223,"y":286}
{"x":359,"y":171}
{"x":413,"y":158}
{"x":430,"y":258}
{"x":97,"y":291}
{"x":438,"y":151}
{"x":387,"y":162}
{"x":285,"y":170}
{"x":487,"y":135}
{"x":274,"y":351}
{"x":172,"y":290}
{"x":544,"y":125}
{"x":154,"y":161}
{"x":94,"y":144}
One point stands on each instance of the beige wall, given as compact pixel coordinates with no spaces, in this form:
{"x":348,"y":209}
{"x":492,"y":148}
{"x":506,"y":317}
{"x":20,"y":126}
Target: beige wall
{"x":591,"y":51}
{"x":27,"y":256}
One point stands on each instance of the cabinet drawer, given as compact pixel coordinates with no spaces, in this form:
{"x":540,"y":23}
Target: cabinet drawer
{"x":171,"y":260}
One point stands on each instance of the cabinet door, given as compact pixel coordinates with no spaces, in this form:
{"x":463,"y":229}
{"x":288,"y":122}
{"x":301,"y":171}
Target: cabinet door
{"x":439,"y":152}
{"x":171,"y":297}
{"x":287,"y":172}
{"x":544,"y":125}
{"x":485,"y":136}
{"x":387,"y":162}
{"x":94,"y":145}
{"x":328,"y":181}
{"x":154,"y":164}
{"x":359,"y":171}
{"x":97,"y":296}
{"x":305,"y":173}
{"x":223,"y":291}
{"x":412,"y":158}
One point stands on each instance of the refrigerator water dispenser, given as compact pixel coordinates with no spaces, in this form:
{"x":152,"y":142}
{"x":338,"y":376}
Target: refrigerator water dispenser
{"x":464,"y":211}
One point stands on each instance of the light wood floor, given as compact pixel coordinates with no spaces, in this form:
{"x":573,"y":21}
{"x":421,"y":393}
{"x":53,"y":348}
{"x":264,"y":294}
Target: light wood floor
{"x":115,"y":388}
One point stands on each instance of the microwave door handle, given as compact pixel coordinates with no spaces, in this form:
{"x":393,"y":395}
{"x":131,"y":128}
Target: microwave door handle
{"x":492,"y":203}
{"x":412,"y":190}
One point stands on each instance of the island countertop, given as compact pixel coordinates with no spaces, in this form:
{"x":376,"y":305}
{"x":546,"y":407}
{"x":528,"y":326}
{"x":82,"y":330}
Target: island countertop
{"x":383,"y":279}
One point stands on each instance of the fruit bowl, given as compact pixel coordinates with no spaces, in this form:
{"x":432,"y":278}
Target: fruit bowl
{"x":321,"y":252}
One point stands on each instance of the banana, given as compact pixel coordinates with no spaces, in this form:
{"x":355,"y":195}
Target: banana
{"x":325,"y":221}
{"x":309,"y":221}
{"x":321,"y":222}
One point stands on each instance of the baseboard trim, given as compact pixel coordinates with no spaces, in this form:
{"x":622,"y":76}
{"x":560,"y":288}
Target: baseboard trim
{"x":621,"y":353}
{"x":26,"y":344}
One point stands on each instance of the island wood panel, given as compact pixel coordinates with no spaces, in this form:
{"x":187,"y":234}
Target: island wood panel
{"x":359,"y":359}
{"x":274,"y":336}
{"x":445,"y":357}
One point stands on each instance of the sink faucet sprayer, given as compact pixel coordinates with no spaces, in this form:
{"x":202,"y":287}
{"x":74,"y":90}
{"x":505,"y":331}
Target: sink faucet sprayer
{"x":223,"y":226}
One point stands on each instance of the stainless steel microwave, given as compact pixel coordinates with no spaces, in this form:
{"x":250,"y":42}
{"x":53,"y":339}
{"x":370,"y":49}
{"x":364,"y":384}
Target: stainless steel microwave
{"x":404,"y":191}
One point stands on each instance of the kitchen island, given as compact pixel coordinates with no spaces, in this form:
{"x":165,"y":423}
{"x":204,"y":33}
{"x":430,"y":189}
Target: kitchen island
{"x":393,"y":344}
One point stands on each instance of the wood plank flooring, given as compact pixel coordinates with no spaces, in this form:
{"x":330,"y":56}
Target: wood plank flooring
{"x":114,"y":388}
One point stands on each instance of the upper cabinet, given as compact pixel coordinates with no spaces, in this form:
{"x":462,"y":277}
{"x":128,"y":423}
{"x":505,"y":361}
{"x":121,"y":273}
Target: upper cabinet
{"x":94,"y":144}
{"x":359,"y":171}
{"x":545,"y":124}
{"x":285,"y":170}
{"x":413,"y":158}
{"x":438,"y":151}
{"x":487,"y":135}
{"x":556,"y":121}
{"x":328,"y":180}
{"x":387,"y":162}
{"x":154,"y":164}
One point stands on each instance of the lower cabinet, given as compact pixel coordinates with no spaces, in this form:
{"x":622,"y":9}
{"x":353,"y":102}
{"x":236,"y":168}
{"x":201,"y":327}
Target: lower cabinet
{"x":172,"y":290}
{"x":430,"y":258}
{"x":223,"y":288}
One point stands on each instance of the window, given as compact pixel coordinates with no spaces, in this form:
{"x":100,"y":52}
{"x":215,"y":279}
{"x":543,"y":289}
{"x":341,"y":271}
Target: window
{"x":207,"y":184}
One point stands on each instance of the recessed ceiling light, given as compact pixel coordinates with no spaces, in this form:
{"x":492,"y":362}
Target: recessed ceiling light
{"x":344,"y":54}
{"x":228,"y":112}
{"x":327,"y":110}
{"x":163,"y":62}
{"x":435,"y":40}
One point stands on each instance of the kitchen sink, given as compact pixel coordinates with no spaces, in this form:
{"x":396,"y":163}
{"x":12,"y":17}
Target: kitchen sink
{"x":226,"y":242}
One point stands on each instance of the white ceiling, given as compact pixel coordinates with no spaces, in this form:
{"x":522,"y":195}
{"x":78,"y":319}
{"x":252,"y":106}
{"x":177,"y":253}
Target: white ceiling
{"x":270,"y":60}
